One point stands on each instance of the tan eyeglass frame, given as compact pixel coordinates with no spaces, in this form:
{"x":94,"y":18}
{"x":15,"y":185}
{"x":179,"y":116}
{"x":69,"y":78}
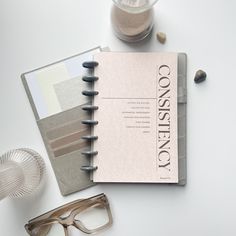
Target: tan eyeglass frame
{"x":54,"y":216}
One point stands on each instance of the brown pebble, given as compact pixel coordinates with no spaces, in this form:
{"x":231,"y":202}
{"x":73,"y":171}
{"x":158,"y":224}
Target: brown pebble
{"x":161,"y":37}
{"x":200,"y":76}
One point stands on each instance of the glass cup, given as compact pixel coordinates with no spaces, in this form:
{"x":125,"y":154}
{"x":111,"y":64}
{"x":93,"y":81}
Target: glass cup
{"x":132,"y":20}
{"x":21,"y":172}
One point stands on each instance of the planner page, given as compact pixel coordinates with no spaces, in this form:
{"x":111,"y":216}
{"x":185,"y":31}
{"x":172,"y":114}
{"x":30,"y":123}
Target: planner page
{"x":137,"y":117}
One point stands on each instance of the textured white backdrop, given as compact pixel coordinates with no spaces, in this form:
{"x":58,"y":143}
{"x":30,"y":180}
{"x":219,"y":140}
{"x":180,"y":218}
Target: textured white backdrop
{"x":35,"y":33}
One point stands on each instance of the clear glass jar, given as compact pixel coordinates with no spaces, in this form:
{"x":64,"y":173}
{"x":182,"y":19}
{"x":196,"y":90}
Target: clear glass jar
{"x":132,"y":20}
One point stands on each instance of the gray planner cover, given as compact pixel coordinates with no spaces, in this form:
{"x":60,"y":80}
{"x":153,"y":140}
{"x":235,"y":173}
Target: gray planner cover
{"x":62,"y":131}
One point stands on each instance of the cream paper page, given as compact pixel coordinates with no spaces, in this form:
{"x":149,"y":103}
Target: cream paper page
{"x":137,"y":115}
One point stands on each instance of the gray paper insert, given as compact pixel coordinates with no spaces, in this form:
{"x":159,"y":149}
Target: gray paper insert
{"x":69,"y":93}
{"x":67,"y":159}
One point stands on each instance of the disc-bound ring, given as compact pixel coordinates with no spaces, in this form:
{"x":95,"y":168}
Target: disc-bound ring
{"x":90,"y":108}
{"x":88,"y":168}
{"x":90,"y":153}
{"x":90,"y":64}
{"x":90,"y":78}
{"x":89,"y":122}
{"x":90,"y":137}
{"x":89,"y":93}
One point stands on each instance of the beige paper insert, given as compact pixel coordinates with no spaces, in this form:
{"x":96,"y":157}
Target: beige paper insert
{"x":137,"y":117}
{"x":46,"y":79}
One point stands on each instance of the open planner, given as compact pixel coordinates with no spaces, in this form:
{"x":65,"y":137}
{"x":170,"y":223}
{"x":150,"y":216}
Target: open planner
{"x":120,"y":119}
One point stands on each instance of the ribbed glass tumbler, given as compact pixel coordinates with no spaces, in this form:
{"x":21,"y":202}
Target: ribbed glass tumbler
{"x":21,"y":172}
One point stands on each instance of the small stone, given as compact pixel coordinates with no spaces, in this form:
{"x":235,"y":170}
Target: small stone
{"x":200,"y":76}
{"x":161,"y":37}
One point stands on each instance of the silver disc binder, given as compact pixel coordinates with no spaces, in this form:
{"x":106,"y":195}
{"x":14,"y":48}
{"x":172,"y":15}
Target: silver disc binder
{"x":90,"y":79}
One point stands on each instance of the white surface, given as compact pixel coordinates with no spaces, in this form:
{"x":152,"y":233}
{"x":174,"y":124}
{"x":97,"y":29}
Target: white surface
{"x":35,"y":33}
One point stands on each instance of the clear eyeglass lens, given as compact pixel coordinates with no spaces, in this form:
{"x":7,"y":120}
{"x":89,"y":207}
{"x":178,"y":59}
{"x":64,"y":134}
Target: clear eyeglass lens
{"x":93,"y":217}
{"x":54,"y":229}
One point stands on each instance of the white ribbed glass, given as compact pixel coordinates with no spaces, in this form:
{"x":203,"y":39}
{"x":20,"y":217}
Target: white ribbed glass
{"x":21,"y":172}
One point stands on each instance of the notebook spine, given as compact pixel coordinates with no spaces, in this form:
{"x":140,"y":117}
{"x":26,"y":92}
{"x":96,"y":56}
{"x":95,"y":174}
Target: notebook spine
{"x":90,"y":65}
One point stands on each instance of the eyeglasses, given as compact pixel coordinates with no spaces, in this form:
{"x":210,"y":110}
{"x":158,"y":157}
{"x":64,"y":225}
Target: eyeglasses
{"x":88,"y":215}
